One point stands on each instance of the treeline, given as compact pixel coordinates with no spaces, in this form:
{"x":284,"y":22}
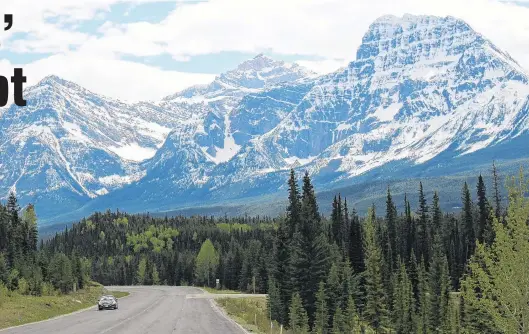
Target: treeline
{"x":416,"y":271}
{"x":24,"y":268}
{"x":125,"y":249}
{"x":421,"y":271}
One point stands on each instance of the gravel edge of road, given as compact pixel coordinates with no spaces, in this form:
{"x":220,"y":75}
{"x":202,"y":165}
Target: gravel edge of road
{"x":223,"y":313}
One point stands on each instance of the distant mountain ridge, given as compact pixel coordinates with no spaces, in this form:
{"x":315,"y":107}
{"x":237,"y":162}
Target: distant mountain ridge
{"x":424,"y":94}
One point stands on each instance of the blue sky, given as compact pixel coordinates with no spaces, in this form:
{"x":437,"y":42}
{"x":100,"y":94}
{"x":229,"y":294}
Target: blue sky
{"x":145,"y":49}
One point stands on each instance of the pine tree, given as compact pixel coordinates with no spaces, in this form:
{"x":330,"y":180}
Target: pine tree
{"x":403,"y":303}
{"x":346,"y":228}
{"x":484,"y":232}
{"x":273,"y":300}
{"x":298,"y":267}
{"x":298,"y":316}
{"x":391,"y":222}
{"x":439,"y":287}
{"x":321,"y":322}
{"x":468,"y":223}
{"x":423,"y":237}
{"x":334,"y":289}
{"x":413,"y":273}
{"x":437,"y":216}
{"x":376,"y":310}
{"x":423,"y":310}
{"x":411,"y":231}
{"x":336,"y":221}
{"x":352,"y":320}
{"x":495,"y":293}
{"x":338,"y":322}
{"x":309,"y":253}
{"x":497,"y":195}
{"x":356,"y":247}
{"x":294,"y":205}
{"x":444,"y":297}
{"x":14,"y":237}
{"x":347,"y":284}
{"x":285,"y":233}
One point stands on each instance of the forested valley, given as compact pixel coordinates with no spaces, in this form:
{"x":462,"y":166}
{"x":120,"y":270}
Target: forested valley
{"x":416,"y":271}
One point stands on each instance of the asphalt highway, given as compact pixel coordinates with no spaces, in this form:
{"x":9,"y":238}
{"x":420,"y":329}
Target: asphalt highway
{"x":149,"y":309}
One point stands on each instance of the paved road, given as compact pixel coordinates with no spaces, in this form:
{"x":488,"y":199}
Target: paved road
{"x":155,"y":310}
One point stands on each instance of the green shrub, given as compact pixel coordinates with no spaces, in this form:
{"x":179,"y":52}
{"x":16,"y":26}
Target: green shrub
{"x":3,"y":293}
{"x":23,"y":286}
{"x":48,"y":290}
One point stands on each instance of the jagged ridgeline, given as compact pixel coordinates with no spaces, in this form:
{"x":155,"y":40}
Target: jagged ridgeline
{"x":426,"y":97}
{"x":412,"y":271}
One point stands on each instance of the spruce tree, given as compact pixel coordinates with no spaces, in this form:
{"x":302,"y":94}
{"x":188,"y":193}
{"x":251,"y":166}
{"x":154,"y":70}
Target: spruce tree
{"x":468,"y":223}
{"x":485,"y":233}
{"x":356,"y":247}
{"x":497,"y":194}
{"x":334,"y":289}
{"x":347,"y":284}
{"x":321,"y":322}
{"x":437,"y":216}
{"x":376,"y":309}
{"x":423,"y":311}
{"x":423,"y":237}
{"x":391,"y":222}
{"x":298,"y":316}
{"x":352,"y":320}
{"x":403,"y":303}
{"x":338,"y":321}
{"x":294,"y":205}
{"x":439,"y":287}
{"x":273,"y":300}
{"x":285,"y":233}
{"x":14,"y":237}
{"x":411,"y":231}
{"x":311,"y":250}
{"x":346,"y":228}
{"x":495,"y":290}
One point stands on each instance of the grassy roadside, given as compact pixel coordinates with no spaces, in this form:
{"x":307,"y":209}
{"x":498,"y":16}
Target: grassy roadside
{"x":250,"y":313}
{"x":213,"y":290}
{"x":17,"y":309}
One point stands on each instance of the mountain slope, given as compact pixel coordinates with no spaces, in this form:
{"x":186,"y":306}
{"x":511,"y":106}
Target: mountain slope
{"x":69,"y":145}
{"x":426,"y":97}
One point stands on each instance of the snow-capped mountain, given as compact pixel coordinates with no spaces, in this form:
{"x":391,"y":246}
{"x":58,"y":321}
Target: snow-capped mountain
{"x":220,"y":103}
{"x":423,"y":92}
{"x":419,"y":85}
{"x":69,"y":145}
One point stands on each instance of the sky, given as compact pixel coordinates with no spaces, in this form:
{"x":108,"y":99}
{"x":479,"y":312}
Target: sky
{"x":146,"y":49}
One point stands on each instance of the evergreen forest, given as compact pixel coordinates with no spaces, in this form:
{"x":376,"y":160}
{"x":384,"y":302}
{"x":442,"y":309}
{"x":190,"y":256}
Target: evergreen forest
{"x":418,"y":270}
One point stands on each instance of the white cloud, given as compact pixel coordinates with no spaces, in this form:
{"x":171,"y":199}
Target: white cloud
{"x":329,"y":29}
{"x":120,"y":79}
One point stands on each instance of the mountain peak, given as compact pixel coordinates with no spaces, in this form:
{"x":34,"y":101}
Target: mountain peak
{"x":56,"y":81}
{"x":259,"y":63}
{"x":51,"y":79}
{"x":419,"y":37}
